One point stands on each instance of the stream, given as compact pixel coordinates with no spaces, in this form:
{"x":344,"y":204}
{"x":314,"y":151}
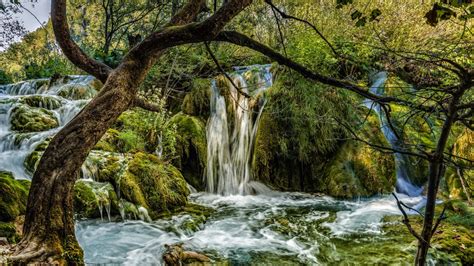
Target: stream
{"x":274,"y":229}
{"x":250,"y":224}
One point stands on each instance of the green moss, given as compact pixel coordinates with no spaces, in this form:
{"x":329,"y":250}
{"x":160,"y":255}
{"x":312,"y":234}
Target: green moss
{"x":108,"y":141}
{"x":191,"y":148}
{"x":302,"y":145}
{"x":451,"y":241}
{"x":30,"y":119}
{"x":359,"y":170}
{"x":32,"y":160}
{"x":77,"y":91}
{"x":40,"y":101}
{"x":196,"y":102}
{"x":150,"y":183}
{"x":8,"y":230}
{"x":13,"y":196}
{"x":73,"y":254}
{"x":90,"y":197}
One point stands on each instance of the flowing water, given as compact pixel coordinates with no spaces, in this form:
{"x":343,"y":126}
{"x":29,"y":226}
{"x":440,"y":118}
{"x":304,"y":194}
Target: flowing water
{"x":230,"y":145}
{"x":270,"y":228}
{"x":274,"y":229}
{"x":403,"y":185}
{"x":64,"y":98}
{"x":263,"y":228}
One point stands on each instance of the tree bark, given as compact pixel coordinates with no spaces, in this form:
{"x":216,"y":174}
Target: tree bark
{"x":49,"y":225}
{"x":48,"y":233}
{"x":436,"y":172}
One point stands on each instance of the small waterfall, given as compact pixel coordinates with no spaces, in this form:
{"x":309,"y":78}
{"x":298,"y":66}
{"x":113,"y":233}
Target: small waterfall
{"x":58,"y":100}
{"x":230,"y":145}
{"x":403,"y":185}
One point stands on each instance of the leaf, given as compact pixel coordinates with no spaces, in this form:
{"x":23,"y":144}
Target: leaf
{"x":375,"y":14}
{"x":361,"y":22}
{"x":356,"y":14}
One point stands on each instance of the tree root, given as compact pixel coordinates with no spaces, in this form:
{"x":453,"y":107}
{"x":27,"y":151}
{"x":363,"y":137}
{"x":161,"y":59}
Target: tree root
{"x":33,"y":252}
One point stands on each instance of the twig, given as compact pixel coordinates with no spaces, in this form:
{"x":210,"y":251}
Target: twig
{"x":406,"y":221}
{"x":246,"y":95}
{"x":438,"y":221}
{"x":286,"y":16}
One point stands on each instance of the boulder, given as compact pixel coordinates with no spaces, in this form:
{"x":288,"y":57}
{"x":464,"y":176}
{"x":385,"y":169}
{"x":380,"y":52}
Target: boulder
{"x":32,"y":119}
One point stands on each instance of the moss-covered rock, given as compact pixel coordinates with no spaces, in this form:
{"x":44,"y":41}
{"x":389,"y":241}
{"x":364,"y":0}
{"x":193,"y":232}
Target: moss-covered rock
{"x":8,"y":230}
{"x":93,"y":199}
{"x":302,"y":145}
{"x":459,"y":181}
{"x":31,"y":119}
{"x":13,"y":197}
{"x":77,"y":91}
{"x":32,"y":160}
{"x":191,"y":148}
{"x":197,"y":101}
{"x":41,"y":101}
{"x":359,"y":170}
{"x":152,"y":184}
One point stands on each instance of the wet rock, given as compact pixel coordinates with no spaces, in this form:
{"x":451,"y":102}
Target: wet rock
{"x":40,"y":101}
{"x":94,"y":199}
{"x":32,"y":119}
{"x":191,"y":148}
{"x":175,"y":255}
{"x":77,"y":91}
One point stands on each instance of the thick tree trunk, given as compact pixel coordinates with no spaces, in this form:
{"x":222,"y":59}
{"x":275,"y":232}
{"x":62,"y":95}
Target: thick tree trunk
{"x":49,"y":225}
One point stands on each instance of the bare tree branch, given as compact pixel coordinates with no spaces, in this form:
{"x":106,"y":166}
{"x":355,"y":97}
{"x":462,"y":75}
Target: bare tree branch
{"x":246,"y":95}
{"x":72,"y":51}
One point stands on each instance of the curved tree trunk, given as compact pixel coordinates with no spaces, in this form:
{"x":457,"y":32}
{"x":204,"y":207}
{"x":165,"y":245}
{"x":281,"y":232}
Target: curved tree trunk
{"x":49,"y":223}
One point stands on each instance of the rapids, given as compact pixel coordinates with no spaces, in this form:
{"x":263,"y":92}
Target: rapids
{"x":274,"y":229}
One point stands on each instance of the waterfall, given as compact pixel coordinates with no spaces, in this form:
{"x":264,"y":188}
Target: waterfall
{"x":403,"y":184}
{"x":57,"y":101}
{"x":230,"y":143}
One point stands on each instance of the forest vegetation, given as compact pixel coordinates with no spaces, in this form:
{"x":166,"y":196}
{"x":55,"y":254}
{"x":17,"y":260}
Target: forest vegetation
{"x":327,"y":129}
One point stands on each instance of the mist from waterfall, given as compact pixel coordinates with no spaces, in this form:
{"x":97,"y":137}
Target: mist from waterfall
{"x":230,"y":143}
{"x":403,"y":184}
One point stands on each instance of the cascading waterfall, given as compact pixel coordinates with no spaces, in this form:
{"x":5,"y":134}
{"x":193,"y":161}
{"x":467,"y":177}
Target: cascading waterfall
{"x":403,"y":185}
{"x":62,"y":99}
{"x":230,"y":145}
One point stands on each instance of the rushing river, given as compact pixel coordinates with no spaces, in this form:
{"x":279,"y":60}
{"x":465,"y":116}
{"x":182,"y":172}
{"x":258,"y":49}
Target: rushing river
{"x":274,"y":229}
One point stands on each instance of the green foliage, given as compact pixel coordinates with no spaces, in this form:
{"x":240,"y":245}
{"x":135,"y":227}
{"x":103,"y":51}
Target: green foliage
{"x":140,"y":130}
{"x":13,"y":197}
{"x":5,"y":78}
{"x":129,"y":141}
